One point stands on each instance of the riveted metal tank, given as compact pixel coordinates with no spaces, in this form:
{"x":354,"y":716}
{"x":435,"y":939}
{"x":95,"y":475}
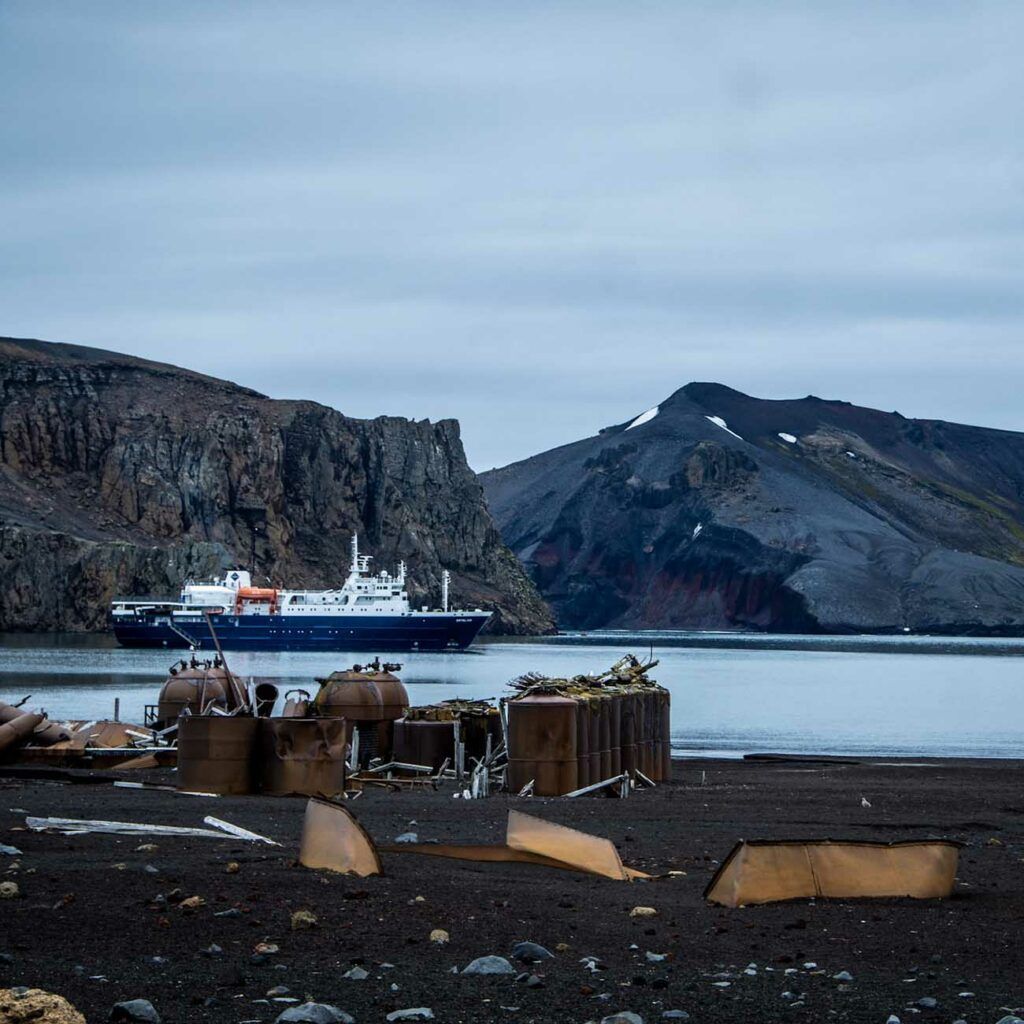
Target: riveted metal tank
{"x":394,"y":704}
{"x":424,"y":742}
{"x":583,"y":777}
{"x":196,"y":688}
{"x":615,"y":733}
{"x":666,"y":736}
{"x":302,"y":755}
{"x":351,"y":695}
{"x":542,"y":744}
{"x":216,"y":753}
{"x":628,"y":736}
{"x":592,"y":708}
{"x":604,"y":713}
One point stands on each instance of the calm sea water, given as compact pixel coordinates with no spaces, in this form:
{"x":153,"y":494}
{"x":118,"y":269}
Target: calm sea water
{"x":730,"y":694}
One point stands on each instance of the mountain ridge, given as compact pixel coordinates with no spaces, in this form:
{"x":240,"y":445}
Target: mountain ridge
{"x":721,"y":510}
{"x":120,"y":475}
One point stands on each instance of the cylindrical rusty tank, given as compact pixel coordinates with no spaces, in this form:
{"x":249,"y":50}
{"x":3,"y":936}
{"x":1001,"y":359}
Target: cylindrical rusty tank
{"x":666,"y":736}
{"x":615,"y":733}
{"x":44,"y":735}
{"x":394,"y":703}
{"x":296,"y":704}
{"x":350,"y":695}
{"x":194,"y":688}
{"x":583,"y":776}
{"x":592,"y":707}
{"x":17,"y":731}
{"x":604,"y":718}
{"x":542,"y":744}
{"x":424,"y":742}
{"x":302,"y":755}
{"x":216,"y":753}
{"x":628,"y":735}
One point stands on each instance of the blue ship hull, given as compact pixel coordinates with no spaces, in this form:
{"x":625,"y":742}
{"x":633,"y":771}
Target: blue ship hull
{"x":452,"y":631}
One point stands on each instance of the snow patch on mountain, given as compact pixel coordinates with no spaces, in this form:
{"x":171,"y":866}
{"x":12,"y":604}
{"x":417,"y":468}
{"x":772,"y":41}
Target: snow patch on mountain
{"x":719,"y":422}
{"x":644,"y":417}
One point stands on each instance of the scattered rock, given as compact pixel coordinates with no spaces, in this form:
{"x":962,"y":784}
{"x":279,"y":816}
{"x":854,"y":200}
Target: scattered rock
{"x":192,"y":903}
{"x":440,"y":936}
{"x":278,"y":990}
{"x":232,"y":912}
{"x":10,"y":891}
{"x":303,"y":920}
{"x":146,"y":848}
{"x":675,"y":1015}
{"x":842,"y":976}
{"x":892,"y":1019}
{"x":314,"y":1013}
{"x":9,"y":851}
{"x":356,"y":973}
{"x":233,"y":867}
{"x":266,"y":949}
{"x":655,"y":958}
{"x":927,"y":1002}
{"x":626,"y":1017}
{"x":534,"y":981}
{"x":25,"y":1005}
{"x":413,"y":1013}
{"x":407,"y":837}
{"x":134,"y":1011}
{"x":489,"y":965}
{"x":212,"y":950}
{"x":643,"y":912}
{"x":531,"y":953}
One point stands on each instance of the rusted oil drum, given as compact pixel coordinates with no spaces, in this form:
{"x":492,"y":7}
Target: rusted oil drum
{"x":593,"y":710}
{"x":666,"y":736}
{"x":628,"y":733}
{"x":604,"y":708}
{"x":643,"y":735}
{"x":192,"y":688}
{"x":542,"y":744}
{"x":615,"y":732}
{"x":350,"y":695}
{"x":216,"y":753}
{"x":302,"y":755}
{"x":582,"y":747}
{"x":424,"y":742}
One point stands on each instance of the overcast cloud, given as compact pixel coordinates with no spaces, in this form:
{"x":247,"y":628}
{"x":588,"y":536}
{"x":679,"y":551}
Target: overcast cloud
{"x":539,"y":219}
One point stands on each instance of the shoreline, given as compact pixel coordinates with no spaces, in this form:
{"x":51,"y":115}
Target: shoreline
{"x":85,"y":924}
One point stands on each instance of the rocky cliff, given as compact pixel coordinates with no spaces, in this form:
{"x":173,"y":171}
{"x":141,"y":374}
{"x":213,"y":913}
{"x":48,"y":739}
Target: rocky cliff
{"x":121,"y":476}
{"x":721,"y":511}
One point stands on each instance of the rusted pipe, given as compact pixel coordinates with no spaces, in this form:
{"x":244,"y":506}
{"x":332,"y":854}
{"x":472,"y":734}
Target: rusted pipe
{"x":17,"y":731}
{"x":46,"y":734}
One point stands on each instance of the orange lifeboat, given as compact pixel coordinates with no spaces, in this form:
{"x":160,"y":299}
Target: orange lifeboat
{"x":256,"y":595}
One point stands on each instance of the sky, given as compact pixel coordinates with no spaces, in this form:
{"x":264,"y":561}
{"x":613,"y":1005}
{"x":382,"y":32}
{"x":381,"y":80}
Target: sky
{"x":538,"y":218}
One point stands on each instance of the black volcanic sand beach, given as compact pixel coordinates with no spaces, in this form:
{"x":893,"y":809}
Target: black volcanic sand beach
{"x":85,"y":925}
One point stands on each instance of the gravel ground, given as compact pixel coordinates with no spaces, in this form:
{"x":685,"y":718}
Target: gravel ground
{"x":88,"y":923}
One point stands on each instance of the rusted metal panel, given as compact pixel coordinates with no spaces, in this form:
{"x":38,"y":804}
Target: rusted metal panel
{"x":542,"y":744}
{"x":767,"y":872}
{"x":216,"y":753}
{"x":302,"y":755}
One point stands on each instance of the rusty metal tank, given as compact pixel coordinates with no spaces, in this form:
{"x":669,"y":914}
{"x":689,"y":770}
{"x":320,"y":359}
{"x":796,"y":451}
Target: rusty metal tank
{"x":592,"y":708}
{"x":615,"y":733}
{"x":666,"y":736}
{"x":583,"y":776}
{"x":627,"y":735}
{"x":542,"y":744}
{"x":302,"y":755}
{"x":394,"y":704}
{"x":604,"y":717}
{"x":351,"y":695}
{"x":424,"y":742}
{"x":216,"y":753}
{"x":194,"y":688}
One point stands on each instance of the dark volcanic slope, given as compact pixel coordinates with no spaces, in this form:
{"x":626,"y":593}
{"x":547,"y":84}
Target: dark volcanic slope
{"x":865,"y":521}
{"x":119,"y":475}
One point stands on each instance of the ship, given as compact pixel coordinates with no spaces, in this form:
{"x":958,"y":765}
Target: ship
{"x":368,"y":612}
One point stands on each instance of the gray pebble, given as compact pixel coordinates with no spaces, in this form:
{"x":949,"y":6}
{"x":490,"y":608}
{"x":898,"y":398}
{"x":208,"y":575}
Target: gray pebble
{"x":927,"y":1002}
{"x":530,"y":953}
{"x":675,"y":1015}
{"x":842,"y":976}
{"x":489,"y":965}
{"x":314,"y":1013}
{"x":356,"y":974}
{"x":407,"y":837}
{"x":134,"y":1010}
{"x":413,"y":1013}
{"x":626,"y":1017}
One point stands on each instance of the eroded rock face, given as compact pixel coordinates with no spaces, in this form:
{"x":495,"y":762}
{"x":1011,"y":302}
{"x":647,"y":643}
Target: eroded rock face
{"x":121,"y":476}
{"x":725,"y":511}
